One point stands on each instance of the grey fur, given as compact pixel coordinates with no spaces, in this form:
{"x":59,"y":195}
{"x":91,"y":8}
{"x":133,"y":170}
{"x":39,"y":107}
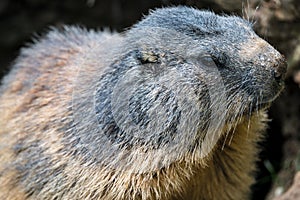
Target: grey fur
{"x":162,"y":93}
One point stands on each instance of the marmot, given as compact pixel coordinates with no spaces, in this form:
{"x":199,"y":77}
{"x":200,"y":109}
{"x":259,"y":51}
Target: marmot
{"x":173,"y":108}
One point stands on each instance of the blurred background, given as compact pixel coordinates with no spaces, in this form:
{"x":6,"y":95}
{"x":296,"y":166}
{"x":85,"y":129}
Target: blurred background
{"x":277,"y":21}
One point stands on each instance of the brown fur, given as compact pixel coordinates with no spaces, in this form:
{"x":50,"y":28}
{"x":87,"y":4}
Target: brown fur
{"x":35,"y":163}
{"x":44,"y":94}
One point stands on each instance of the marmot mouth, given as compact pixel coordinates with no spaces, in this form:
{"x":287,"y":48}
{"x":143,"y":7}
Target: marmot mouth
{"x":265,"y":103}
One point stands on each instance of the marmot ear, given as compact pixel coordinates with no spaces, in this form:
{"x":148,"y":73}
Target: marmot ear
{"x":148,"y":56}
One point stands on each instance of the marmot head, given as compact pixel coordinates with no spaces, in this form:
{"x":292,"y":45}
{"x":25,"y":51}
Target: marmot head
{"x":245,"y":61}
{"x":177,"y":78}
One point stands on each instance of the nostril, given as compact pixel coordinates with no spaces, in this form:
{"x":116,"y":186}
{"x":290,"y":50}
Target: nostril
{"x":278,"y":76}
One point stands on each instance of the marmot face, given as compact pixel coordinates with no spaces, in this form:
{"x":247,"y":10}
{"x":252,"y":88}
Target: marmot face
{"x":252,"y":71}
{"x":182,"y":76}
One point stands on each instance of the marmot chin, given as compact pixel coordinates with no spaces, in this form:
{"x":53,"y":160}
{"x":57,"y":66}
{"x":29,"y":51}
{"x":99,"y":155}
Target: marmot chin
{"x":173,"y":108}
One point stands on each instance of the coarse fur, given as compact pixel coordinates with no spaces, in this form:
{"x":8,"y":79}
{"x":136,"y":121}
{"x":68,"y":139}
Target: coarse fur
{"x":171,"y":109}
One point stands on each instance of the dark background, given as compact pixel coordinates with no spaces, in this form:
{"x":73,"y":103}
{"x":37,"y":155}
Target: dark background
{"x":277,"y":21}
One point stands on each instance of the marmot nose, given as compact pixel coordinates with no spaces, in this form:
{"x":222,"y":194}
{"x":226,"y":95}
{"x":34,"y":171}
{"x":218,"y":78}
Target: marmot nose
{"x":280,"y":69}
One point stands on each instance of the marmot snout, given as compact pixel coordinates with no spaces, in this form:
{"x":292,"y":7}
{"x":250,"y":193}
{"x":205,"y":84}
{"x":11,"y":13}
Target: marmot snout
{"x":171,"y":109}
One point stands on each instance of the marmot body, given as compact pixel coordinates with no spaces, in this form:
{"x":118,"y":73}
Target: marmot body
{"x":171,"y":109}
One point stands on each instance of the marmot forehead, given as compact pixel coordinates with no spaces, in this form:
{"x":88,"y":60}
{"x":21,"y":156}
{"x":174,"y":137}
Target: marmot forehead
{"x":190,"y":20}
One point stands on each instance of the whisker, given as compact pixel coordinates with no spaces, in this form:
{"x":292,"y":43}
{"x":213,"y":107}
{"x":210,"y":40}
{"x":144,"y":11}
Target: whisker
{"x":236,"y":116}
{"x":248,"y":8}
{"x":249,"y":118}
{"x":243,"y":12}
